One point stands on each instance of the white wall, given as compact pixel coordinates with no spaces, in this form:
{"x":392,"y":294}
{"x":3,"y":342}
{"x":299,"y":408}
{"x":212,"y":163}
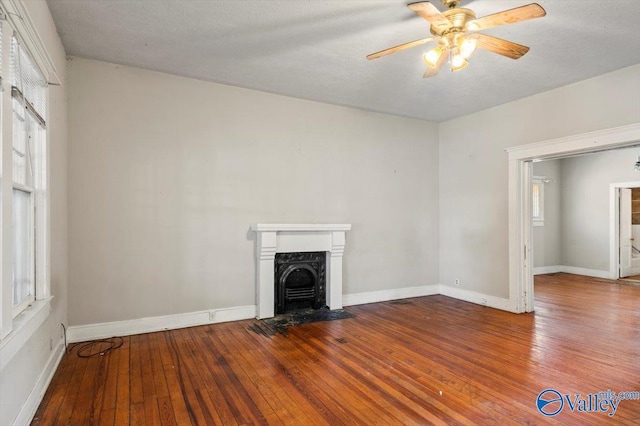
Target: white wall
{"x":166,"y":174}
{"x":546,"y":239}
{"x":585,"y":204}
{"x":22,"y":373}
{"x":473,"y":168}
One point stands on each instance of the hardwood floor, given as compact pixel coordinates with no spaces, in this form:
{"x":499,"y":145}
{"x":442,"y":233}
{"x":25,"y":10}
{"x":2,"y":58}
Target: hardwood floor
{"x":632,"y":279}
{"x":429,"y":360}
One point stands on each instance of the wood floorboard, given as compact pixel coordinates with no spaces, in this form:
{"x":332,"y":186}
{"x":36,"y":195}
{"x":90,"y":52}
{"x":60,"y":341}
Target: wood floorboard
{"x":248,"y":378}
{"x":428,"y":360}
{"x":277,"y":394}
{"x":183,"y":393}
{"x":123,"y":386}
{"x":107,"y":417}
{"x":111,"y":383}
{"x":135,"y":371}
{"x":324,"y":401}
{"x":399,"y":377}
{"x":55,"y":395}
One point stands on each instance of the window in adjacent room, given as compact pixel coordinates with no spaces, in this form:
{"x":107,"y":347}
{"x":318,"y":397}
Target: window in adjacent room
{"x":537,"y":202}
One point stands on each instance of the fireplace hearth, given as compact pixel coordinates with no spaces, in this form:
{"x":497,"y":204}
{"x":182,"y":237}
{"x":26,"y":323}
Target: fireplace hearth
{"x":299,"y":281}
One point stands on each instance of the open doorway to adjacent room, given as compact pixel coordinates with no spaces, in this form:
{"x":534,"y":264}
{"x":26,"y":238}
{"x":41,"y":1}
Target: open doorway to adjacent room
{"x":560,"y":207}
{"x":625,"y":210}
{"x":586,"y":221}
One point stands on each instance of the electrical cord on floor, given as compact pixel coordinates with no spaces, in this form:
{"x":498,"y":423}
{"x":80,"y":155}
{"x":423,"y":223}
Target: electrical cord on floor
{"x":113,"y":342}
{"x":64,"y":329}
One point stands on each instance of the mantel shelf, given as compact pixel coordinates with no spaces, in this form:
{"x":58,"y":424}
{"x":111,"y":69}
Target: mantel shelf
{"x":300,"y":227}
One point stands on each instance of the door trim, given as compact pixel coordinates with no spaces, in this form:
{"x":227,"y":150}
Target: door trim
{"x":614,"y":226}
{"x":520,"y":222}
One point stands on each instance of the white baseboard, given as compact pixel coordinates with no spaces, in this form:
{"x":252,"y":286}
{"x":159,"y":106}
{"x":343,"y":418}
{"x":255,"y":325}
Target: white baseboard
{"x":571,"y":270}
{"x":30,"y":406}
{"x":87,"y":332}
{"x":546,"y":269}
{"x":584,"y":271}
{"x":477,"y":298}
{"x":81,"y":333}
{"x":385,"y":295}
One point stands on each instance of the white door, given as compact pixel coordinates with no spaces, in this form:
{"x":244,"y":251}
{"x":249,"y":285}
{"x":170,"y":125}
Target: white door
{"x":628,"y":265}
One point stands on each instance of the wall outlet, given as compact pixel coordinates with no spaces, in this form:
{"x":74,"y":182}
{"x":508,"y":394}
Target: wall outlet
{"x":457,"y":282}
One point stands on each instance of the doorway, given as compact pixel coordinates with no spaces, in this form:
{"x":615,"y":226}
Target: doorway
{"x":625,"y":245}
{"x":520,"y":213}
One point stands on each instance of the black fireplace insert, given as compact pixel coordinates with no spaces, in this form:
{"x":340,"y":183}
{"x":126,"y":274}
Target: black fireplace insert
{"x":300,"y":281}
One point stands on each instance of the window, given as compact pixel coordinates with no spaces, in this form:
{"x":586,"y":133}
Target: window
{"x":28,"y":173}
{"x":23,"y":178}
{"x":537,"y":201}
{"x":29,"y":170}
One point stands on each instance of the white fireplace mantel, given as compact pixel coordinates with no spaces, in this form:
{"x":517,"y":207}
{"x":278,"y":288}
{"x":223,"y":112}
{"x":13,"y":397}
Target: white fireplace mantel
{"x":291,"y":238}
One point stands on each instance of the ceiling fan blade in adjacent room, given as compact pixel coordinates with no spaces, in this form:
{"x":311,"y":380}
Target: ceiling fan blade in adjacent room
{"x":500,"y":46}
{"x":399,"y":47}
{"x":511,"y":16}
{"x":431,"y":72}
{"x":429,"y":12}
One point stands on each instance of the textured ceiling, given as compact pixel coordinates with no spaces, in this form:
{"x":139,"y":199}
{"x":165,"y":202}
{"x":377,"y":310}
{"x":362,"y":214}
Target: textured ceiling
{"x":316,"y":49}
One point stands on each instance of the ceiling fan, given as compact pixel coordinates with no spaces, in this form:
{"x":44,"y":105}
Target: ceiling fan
{"x":455,"y":30}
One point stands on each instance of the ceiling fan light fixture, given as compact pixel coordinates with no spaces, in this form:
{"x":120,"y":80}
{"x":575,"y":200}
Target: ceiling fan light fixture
{"x":431,"y":57}
{"x":460,"y":65}
{"x":468,"y":46}
{"x":458,"y":61}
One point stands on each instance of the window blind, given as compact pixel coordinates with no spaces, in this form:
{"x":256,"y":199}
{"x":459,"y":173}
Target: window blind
{"x":29,"y":87}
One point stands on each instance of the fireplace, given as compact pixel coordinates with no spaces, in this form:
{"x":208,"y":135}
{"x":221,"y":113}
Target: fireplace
{"x":292,"y":240}
{"x":299,"y":281}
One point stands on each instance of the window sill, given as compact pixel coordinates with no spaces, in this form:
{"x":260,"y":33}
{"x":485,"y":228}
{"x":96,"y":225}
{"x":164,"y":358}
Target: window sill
{"x":24,"y":325}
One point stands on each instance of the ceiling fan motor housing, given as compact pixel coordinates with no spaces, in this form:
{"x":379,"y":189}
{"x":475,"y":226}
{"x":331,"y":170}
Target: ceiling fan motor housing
{"x":458,"y":18}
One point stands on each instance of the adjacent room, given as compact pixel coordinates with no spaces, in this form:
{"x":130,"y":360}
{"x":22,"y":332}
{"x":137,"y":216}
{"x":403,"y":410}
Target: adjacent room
{"x":583,"y":214}
{"x":319,"y":212}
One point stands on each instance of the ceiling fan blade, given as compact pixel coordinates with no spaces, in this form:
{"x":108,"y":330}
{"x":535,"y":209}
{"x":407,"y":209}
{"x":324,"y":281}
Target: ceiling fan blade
{"x":500,"y":46}
{"x":400,"y":47}
{"x":511,"y":16}
{"x":431,"y":72}
{"x":429,"y":12}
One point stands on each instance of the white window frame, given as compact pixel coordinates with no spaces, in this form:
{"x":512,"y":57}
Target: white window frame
{"x":35,"y":182}
{"x":20,"y":307}
{"x":15,"y":331}
{"x":538,"y":220}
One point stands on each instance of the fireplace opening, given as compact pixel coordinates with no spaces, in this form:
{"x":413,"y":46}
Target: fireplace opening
{"x":299,"y":281}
